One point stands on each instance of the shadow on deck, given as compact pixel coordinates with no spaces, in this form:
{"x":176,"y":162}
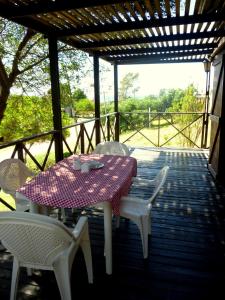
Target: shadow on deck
{"x":186,"y":249}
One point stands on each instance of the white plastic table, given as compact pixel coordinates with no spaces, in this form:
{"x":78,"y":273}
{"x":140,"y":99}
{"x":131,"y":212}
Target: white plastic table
{"x":62,"y":186}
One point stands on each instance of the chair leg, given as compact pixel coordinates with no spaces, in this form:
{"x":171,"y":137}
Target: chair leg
{"x":62,"y":275}
{"x":15,"y":279}
{"x":149,"y":224}
{"x":86,"y":248}
{"x":29,"y":272}
{"x":63,"y":213}
{"x":142,"y":224}
{"x":117,"y":221}
{"x":145,"y":231}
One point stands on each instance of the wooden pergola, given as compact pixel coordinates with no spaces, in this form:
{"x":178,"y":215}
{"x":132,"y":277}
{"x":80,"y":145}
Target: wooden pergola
{"x":130,"y":32}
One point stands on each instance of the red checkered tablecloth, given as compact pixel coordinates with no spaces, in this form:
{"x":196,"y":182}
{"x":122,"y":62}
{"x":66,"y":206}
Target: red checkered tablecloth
{"x":62,"y":186}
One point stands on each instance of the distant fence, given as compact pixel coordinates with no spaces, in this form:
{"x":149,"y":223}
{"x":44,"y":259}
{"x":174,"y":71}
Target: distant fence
{"x":162,"y":129}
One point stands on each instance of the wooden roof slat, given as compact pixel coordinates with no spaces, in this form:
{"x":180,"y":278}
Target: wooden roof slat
{"x":162,"y":56}
{"x":142,"y":13}
{"x":187,"y":7}
{"x":167,"y":5}
{"x":123,"y":10}
{"x":197,"y":35}
{"x":74,"y":20}
{"x":48,"y":6}
{"x":116,"y":14}
{"x":140,"y":9}
{"x":177,"y":4}
{"x":142,"y":24}
{"x":186,"y":13}
{"x":157,"y":61}
{"x":151,"y":49}
{"x":91,"y":21}
{"x":158,"y":8}
{"x":150,"y":9}
{"x":130,"y":27}
{"x":131,"y":11}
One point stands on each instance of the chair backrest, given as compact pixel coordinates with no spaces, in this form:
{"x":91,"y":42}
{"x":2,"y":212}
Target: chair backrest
{"x":159,"y":181}
{"x":113,"y":148}
{"x":32,"y":238}
{"x":13,"y":174}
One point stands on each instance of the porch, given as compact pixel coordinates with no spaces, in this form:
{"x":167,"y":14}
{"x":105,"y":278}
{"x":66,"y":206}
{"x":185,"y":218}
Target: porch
{"x":186,"y":251}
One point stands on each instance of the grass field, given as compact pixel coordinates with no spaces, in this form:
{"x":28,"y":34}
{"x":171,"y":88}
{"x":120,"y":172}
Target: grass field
{"x":8,"y":199}
{"x":165,"y":136}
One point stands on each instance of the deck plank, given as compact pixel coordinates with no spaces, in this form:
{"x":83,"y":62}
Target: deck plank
{"x":186,"y":249}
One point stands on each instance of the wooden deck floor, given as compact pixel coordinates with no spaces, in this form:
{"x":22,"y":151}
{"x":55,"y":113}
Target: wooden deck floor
{"x":186,"y":249}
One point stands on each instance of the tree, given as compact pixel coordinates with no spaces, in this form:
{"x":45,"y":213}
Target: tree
{"x":26,"y":116}
{"x":127,"y":84}
{"x":24,"y":61}
{"x":79,"y":94}
{"x":186,"y":101}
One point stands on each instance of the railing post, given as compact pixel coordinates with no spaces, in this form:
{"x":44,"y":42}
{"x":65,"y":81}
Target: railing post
{"x":108,"y":127}
{"x":116,"y":100}
{"x":82,"y":143}
{"x":158,"y":130}
{"x":20,"y":151}
{"x":205,"y":124}
{"x":97,"y":99}
{"x":56,"y":105}
{"x":117,"y":127}
{"x":206,"y":114}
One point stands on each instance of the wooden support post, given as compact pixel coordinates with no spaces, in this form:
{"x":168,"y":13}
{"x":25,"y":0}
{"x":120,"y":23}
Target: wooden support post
{"x":116,"y":108}
{"x":108,"y":127}
{"x":82,"y":145}
{"x":97,"y":99}
{"x":56,"y":105}
{"x":20,"y":151}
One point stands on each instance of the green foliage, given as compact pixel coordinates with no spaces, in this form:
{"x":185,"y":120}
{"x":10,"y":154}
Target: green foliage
{"x":26,"y":116}
{"x":188,"y":102}
{"x":40,"y":158}
{"x":25,"y":63}
{"x":79,"y":94}
{"x":84,"y":107}
{"x":66,"y":95}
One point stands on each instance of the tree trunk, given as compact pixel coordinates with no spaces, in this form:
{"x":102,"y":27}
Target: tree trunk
{"x":3,"y":101}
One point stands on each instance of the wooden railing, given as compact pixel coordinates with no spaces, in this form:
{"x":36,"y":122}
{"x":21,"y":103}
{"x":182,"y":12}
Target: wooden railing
{"x":82,"y":140}
{"x":161,"y":129}
{"x":80,"y":137}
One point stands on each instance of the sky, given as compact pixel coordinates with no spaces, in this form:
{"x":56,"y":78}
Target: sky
{"x":151,"y":78}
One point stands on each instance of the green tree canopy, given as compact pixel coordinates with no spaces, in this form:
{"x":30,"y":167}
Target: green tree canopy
{"x":26,"y":116}
{"x":24,"y":62}
{"x":79,"y":94}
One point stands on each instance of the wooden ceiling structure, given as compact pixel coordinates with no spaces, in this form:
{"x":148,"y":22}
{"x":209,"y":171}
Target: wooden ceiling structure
{"x":127,"y":32}
{"x":121,"y":32}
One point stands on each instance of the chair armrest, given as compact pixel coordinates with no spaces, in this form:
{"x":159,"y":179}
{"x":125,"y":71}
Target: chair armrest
{"x":134,"y":200}
{"x":142,"y":181}
{"x":80,"y":226}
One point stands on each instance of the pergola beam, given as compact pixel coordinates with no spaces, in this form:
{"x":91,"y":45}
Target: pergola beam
{"x":48,"y":6}
{"x":159,"y":56}
{"x":152,"y":39}
{"x":141,"y":24}
{"x":157,"y":61}
{"x":159,"y":49}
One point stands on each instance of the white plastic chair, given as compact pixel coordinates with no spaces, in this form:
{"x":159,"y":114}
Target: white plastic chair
{"x":13,"y":174}
{"x":41,"y":242}
{"x":113,"y":148}
{"x":139,"y":210}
